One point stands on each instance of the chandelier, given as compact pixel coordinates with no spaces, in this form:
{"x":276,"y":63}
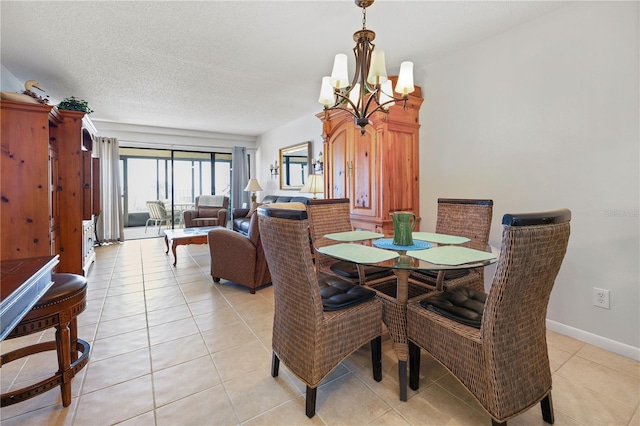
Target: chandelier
{"x":370,"y":90}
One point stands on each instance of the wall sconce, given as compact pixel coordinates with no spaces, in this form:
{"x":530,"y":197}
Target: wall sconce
{"x":273,"y":168}
{"x":318,"y":164}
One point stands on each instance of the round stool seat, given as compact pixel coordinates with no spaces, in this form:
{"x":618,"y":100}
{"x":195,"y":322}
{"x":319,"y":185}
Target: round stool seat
{"x":65,"y":287}
{"x":59,"y":308}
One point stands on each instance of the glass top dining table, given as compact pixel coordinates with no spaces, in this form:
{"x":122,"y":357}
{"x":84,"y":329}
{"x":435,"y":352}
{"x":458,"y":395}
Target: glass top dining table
{"x":432,"y":252}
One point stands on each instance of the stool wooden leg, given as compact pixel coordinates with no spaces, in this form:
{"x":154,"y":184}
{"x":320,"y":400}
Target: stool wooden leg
{"x":73,"y":335}
{"x":63,"y":344}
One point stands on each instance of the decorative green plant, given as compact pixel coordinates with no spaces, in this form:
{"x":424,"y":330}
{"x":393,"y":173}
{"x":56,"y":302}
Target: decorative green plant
{"x":73,"y":104}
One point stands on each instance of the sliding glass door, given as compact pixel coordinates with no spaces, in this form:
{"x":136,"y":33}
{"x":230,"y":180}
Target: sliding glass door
{"x":174,"y":177}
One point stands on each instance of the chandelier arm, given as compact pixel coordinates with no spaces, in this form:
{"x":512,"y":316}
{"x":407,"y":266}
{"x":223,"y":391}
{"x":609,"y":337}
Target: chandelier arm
{"x":344,"y":97}
{"x":380,"y":107}
{"x":335,"y":107}
{"x":373,"y":96}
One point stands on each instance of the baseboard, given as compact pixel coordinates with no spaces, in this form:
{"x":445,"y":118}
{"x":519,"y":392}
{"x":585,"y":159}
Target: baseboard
{"x":595,"y":340}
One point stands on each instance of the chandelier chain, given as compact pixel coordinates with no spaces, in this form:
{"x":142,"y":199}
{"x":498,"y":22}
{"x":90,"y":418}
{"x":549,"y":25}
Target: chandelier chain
{"x":364,"y":17}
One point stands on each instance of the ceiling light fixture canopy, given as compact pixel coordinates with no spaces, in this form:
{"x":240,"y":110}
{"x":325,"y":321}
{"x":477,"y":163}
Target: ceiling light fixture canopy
{"x":370,"y":90}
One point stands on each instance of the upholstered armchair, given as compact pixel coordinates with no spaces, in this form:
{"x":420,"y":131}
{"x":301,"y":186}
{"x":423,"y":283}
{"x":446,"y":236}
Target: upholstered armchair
{"x":237,"y":257}
{"x":210,"y":210}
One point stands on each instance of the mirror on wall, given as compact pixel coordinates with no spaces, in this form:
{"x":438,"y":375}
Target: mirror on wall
{"x":294,"y":165}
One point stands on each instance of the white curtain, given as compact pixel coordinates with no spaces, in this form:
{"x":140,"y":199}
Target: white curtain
{"x":239,"y":177}
{"x":110,"y":223}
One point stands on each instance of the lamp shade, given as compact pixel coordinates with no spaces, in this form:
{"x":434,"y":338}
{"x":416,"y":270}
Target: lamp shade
{"x":326,"y":92}
{"x":314,"y":185}
{"x":385,"y":94}
{"x":378,"y":69}
{"x":339,"y":74}
{"x":404,"y":84}
{"x":253,"y":185}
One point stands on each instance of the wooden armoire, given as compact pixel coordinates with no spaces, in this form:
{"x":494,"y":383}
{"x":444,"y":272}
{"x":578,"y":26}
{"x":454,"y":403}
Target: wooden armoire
{"x":378,"y":171}
{"x":47,"y":184}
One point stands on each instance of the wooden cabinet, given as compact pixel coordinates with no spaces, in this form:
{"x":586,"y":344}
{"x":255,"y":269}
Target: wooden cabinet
{"x":74,"y":141}
{"x":25,"y":185}
{"x":43,"y":184}
{"x":88,"y":252}
{"x":54,"y":203}
{"x":378,"y":171}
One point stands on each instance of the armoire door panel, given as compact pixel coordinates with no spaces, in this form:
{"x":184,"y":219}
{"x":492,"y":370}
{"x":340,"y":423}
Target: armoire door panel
{"x":363,"y":182}
{"x":401,"y":170}
{"x":339,"y":168}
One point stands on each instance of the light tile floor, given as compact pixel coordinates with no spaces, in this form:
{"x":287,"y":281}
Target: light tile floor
{"x":170,"y":347}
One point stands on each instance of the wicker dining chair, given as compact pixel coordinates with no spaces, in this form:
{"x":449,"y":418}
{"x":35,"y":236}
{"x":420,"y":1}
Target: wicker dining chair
{"x":469,"y":218}
{"x":504,"y":363}
{"x":310,"y":340}
{"x":327,"y":216}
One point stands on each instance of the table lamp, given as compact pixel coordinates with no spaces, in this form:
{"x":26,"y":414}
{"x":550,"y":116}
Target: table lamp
{"x":253,"y":186}
{"x":314,"y":185}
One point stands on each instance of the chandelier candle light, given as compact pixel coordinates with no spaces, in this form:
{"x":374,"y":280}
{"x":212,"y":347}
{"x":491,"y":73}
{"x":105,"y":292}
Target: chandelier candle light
{"x":370,"y":89}
{"x":253,"y":186}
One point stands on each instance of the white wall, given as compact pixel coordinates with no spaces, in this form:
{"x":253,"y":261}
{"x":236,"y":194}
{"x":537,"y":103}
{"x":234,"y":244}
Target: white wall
{"x":9,"y":82}
{"x":134,"y":136}
{"x":269,"y":144}
{"x":542,"y":117}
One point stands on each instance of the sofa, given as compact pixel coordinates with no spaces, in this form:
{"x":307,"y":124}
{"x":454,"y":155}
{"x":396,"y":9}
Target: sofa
{"x":241,"y":218}
{"x":210,"y":210}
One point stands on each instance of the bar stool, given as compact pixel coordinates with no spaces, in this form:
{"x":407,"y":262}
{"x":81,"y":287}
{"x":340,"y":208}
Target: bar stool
{"x":59,"y":308}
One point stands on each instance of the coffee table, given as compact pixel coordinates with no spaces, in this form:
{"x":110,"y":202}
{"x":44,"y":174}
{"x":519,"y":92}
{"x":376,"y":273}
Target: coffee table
{"x":180,"y":237}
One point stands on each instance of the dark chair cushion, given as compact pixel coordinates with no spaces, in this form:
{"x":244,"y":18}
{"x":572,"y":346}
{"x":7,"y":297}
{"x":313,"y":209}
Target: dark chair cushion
{"x":464,"y":305}
{"x":350,"y":270}
{"x":339,"y":294}
{"x":448,"y":275}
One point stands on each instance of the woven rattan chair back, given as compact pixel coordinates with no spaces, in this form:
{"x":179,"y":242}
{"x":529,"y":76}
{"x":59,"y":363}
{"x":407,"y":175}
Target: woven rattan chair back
{"x":514,"y":320}
{"x":308,"y":340}
{"x":326,"y":217}
{"x":465,"y":218}
{"x":469,"y":218}
{"x":505,"y":363}
{"x":296,"y":292}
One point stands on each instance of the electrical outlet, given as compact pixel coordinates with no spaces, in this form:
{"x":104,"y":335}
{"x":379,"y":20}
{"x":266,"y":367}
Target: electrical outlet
{"x":601,"y":298}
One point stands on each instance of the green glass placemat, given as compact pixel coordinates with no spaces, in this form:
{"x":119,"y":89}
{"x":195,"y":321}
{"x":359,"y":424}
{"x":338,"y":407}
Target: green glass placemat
{"x":358,"y":253}
{"x":351,"y":236}
{"x":451,"y":255}
{"x":439,"y":238}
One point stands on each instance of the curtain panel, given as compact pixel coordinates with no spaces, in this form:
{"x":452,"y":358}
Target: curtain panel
{"x":239,"y":177}
{"x":110,"y":223}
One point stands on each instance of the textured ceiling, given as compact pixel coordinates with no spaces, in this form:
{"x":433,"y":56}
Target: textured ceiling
{"x":235,"y":67}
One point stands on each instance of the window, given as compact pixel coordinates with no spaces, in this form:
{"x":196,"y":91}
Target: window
{"x":176,"y":177}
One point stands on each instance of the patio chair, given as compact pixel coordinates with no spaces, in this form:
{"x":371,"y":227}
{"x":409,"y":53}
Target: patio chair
{"x":497,"y":348}
{"x":157,"y":214}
